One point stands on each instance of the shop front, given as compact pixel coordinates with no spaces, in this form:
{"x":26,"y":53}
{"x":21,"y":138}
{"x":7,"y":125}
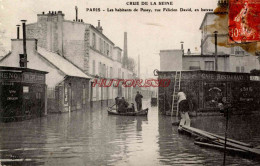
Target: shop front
{"x":205,"y":89}
{"x":22,"y":93}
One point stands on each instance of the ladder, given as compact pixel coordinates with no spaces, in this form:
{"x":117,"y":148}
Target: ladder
{"x":176,"y":89}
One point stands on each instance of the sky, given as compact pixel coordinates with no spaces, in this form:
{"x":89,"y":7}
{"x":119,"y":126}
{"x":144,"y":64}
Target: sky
{"x":148,"y":33}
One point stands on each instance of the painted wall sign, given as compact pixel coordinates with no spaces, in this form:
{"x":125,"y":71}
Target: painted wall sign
{"x":244,"y":21}
{"x":33,"y":77}
{"x":12,"y":76}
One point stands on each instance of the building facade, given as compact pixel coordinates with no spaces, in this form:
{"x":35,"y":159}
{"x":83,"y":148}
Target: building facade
{"x":67,"y":85}
{"x":200,"y":79}
{"x":87,"y":48}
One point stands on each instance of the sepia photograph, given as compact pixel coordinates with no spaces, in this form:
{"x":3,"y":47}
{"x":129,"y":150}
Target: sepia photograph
{"x":129,"y":83}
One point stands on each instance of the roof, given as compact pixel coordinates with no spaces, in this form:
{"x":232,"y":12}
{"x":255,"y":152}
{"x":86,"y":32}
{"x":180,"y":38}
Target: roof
{"x":21,"y":69}
{"x":205,"y":55}
{"x":62,"y":64}
{"x":95,"y":29}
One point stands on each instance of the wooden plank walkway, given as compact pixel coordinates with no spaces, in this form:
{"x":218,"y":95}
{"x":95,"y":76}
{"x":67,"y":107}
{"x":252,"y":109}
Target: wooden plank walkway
{"x":220,"y":141}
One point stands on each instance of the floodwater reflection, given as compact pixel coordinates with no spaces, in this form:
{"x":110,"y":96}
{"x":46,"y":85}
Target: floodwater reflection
{"x":96,"y":138}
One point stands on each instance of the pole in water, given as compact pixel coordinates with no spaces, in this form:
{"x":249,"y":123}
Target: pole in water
{"x":225,"y":145}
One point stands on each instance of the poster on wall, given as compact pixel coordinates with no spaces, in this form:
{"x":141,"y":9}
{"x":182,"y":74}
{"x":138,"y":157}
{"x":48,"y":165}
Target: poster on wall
{"x":131,"y":55}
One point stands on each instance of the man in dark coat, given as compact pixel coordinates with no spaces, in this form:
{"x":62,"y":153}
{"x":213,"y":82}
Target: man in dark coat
{"x":138,"y":100}
{"x":123,"y":104}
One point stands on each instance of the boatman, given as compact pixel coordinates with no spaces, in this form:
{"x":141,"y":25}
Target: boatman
{"x":183,"y":106}
{"x":138,"y":100}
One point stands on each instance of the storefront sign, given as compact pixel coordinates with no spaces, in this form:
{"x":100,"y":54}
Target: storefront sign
{"x":216,"y":77}
{"x":12,"y":76}
{"x":33,"y":78}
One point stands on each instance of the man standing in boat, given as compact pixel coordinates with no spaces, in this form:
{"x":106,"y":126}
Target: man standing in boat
{"x":183,"y":106}
{"x":138,"y":100}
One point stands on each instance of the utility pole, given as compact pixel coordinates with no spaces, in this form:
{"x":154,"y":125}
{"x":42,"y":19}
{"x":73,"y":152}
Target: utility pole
{"x":216,"y":51}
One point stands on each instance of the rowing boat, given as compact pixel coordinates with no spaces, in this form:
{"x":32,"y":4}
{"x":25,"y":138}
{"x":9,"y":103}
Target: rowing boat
{"x":113,"y":111}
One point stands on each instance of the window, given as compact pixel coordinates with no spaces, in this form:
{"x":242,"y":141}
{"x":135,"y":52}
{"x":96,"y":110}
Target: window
{"x":119,"y":72}
{"x":104,"y":70}
{"x":65,"y":94}
{"x":237,"y":50}
{"x":111,"y":72}
{"x":22,"y":60}
{"x":242,"y":69}
{"x":84,"y":94}
{"x":94,"y":40}
{"x":119,"y":56}
{"x":100,"y":45}
{"x":99,"y":69}
{"x":194,"y":65}
{"x":26,"y":89}
{"x":51,"y":93}
{"x":107,"y":71}
{"x":107,"y":49}
{"x":94,"y":93}
{"x":237,"y":69}
{"x":110,"y":51}
{"x":104,"y":51}
{"x":94,"y":67}
{"x":209,"y":65}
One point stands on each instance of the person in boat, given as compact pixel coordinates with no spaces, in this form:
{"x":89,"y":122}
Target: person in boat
{"x":117,"y":102}
{"x":183,"y":106}
{"x":138,"y":100}
{"x":123,"y":105}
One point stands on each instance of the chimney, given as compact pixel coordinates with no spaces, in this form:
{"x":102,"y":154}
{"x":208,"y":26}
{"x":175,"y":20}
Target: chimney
{"x":23,"y":59}
{"x":99,"y":27}
{"x":42,"y":12}
{"x":188,"y":52}
{"x":182,"y":47}
{"x":76,"y":9}
{"x":18,"y":31}
{"x":125,"y":58}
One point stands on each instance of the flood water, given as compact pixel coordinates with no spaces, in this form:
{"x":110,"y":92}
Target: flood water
{"x":96,"y":138}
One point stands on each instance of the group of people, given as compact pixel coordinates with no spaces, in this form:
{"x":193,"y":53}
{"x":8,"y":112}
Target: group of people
{"x":122,"y":106}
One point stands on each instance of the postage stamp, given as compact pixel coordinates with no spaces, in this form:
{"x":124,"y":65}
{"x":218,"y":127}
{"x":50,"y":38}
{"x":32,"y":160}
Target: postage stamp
{"x":244,"y":21}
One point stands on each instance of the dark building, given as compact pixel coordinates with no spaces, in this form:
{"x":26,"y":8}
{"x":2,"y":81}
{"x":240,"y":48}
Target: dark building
{"x":22,"y":93}
{"x":205,"y":89}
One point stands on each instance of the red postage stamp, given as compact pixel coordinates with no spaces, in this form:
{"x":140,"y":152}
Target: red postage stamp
{"x":244,"y":21}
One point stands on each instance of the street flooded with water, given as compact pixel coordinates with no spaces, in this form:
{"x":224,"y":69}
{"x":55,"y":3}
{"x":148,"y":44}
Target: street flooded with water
{"x":96,"y":138}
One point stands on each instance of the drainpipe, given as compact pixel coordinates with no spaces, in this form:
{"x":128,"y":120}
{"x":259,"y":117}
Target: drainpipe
{"x":24,"y":44}
{"x":216,"y":51}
